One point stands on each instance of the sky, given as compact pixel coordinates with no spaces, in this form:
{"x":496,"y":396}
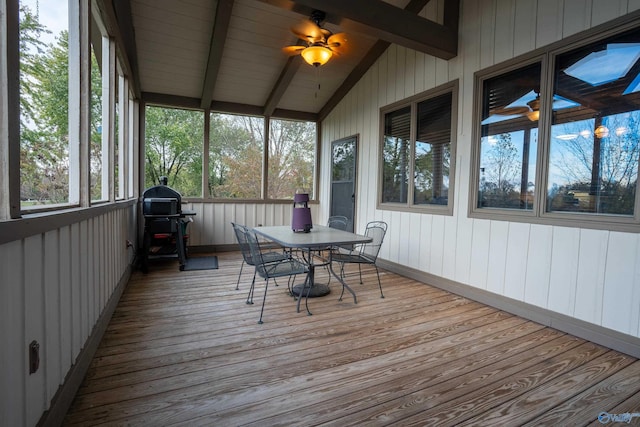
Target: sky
{"x":53,"y":15}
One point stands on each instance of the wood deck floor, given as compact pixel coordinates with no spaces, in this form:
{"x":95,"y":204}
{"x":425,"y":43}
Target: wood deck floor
{"x":183,"y":348}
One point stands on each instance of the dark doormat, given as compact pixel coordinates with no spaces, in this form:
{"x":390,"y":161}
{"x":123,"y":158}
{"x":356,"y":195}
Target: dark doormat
{"x":200,"y":263}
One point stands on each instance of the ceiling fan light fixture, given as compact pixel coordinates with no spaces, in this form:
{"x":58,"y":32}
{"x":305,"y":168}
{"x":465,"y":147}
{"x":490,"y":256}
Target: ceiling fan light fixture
{"x":316,"y":55}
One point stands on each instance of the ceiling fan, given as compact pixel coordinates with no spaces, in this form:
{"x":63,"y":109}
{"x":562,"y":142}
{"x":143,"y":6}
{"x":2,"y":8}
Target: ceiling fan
{"x":320,"y":43}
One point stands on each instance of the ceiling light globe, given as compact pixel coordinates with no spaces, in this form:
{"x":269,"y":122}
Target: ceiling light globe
{"x":316,"y":55}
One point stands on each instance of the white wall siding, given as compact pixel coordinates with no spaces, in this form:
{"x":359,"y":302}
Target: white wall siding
{"x":211,"y":225}
{"x":587,"y":274}
{"x":53,"y":288}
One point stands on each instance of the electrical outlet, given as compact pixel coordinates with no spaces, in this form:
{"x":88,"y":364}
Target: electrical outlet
{"x":34,"y":356}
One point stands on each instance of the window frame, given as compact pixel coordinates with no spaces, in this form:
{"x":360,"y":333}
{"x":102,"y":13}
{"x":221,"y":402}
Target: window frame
{"x":451,"y":87}
{"x":81,"y":17}
{"x":539,"y":214}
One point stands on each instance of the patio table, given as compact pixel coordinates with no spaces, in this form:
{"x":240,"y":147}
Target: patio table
{"x":319,"y":237}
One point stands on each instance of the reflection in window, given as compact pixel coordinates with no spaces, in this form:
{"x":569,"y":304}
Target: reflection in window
{"x":594,"y":152}
{"x":417,"y":149}
{"x":433,"y":151}
{"x":396,"y":151}
{"x":509,"y":138}
{"x":236,"y":151}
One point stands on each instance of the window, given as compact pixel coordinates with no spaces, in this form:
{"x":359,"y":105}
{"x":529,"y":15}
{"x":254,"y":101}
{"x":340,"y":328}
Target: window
{"x":236,"y":151}
{"x":44,"y":105}
{"x":595,"y":129}
{"x":509,"y":137}
{"x":417,"y":151}
{"x":173,"y":148}
{"x":100,"y":112}
{"x":574,"y":138}
{"x":292,"y":149}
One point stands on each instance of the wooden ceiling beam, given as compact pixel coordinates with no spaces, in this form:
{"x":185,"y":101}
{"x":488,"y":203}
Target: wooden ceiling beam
{"x":288,"y":73}
{"x":414,"y":6}
{"x":216,"y":47}
{"x":117,"y":17}
{"x":384,"y":21}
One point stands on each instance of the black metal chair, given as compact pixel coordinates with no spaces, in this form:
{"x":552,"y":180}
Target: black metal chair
{"x":271,"y":256}
{"x":364,"y":254}
{"x":338,"y":221}
{"x":289,"y":267}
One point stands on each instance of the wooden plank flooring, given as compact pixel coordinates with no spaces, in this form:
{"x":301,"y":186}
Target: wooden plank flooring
{"x":183,"y":348}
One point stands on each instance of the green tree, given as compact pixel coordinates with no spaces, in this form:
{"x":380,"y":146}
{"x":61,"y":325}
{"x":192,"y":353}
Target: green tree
{"x":235,"y":156}
{"x":291,"y":158}
{"x":44,"y":160}
{"x":499,"y":174}
{"x":173,"y":148}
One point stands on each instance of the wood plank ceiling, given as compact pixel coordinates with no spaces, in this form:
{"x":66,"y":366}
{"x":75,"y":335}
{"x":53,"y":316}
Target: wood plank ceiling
{"x":227,"y":54}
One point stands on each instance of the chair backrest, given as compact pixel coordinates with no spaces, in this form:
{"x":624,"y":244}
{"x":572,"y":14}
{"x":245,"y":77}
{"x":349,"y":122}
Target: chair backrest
{"x":256,"y":253}
{"x":338,"y":222}
{"x":241,"y":235}
{"x":376,"y":230}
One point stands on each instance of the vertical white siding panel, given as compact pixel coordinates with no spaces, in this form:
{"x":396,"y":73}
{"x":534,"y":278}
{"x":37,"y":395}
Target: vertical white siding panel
{"x":516,"y":262}
{"x":463,"y":249}
{"x":538,"y":265}
{"x":13,"y":367}
{"x":83,"y":286}
{"x":436,"y":244}
{"x":591,"y":271}
{"x":396,"y":235}
{"x":197,"y":227}
{"x":209,"y":220}
{"x":409,"y":73}
{"x":605,"y":10}
{"x":442,"y":71}
{"x":525,"y":24}
{"x":633,"y":5}
{"x":76,"y":285}
{"x":219,"y":222}
{"x":96,"y":288}
{"x":449,"y":248}
{"x":497,"y":256}
{"x":66,"y":300}
{"x":426,"y":235}
{"x":33,"y":260}
{"x":419,"y":73}
{"x":413,"y":240}
{"x":384,"y":86}
{"x":396,"y":72}
{"x":576,"y":15}
{"x":504,"y":30}
{"x":480,"y":253}
{"x":549,"y":26}
{"x":590,"y":275}
{"x":564,"y":269}
{"x":430,"y":72}
{"x":226,"y":232}
{"x":618,"y":299}
{"x":97,"y":255}
{"x":487,"y":20}
{"x":52,"y":312}
{"x":367,"y":179}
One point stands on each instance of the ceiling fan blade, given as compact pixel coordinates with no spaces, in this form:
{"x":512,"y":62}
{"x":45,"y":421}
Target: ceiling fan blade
{"x":293,"y":50}
{"x":309,"y":31}
{"x":338,"y":39}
